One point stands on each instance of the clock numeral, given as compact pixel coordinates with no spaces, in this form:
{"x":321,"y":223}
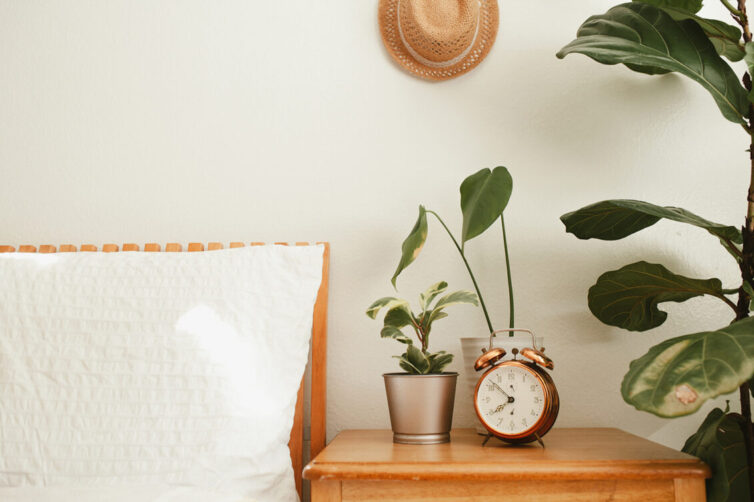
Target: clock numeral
{"x":512,"y":425}
{"x":532,"y":388}
{"x":523,"y":421}
{"x":524,"y":378}
{"x":499,"y":378}
{"x":533,"y":413}
{"x":487,"y":399}
{"x":511,"y":376}
{"x":536,"y":400}
{"x":490,"y":387}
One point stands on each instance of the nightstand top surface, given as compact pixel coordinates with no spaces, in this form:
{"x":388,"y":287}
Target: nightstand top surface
{"x":592,"y":453}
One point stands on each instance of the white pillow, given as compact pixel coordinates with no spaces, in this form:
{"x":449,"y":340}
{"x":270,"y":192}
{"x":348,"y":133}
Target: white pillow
{"x":167,"y":376}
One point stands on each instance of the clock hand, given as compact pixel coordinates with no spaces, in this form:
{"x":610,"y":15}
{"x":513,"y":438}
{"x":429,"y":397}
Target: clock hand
{"x":510,"y":399}
{"x":499,"y":408}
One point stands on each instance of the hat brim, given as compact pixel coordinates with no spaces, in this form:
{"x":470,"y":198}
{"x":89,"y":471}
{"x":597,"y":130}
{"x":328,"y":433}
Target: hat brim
{"x":488,"y":24}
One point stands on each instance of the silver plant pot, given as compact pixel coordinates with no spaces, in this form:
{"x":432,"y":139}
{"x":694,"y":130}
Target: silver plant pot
{"x":421,"y":406}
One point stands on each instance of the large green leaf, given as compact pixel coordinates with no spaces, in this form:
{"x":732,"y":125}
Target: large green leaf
{"x":678,"y":375}
{"x":484,"y":196}
{"x":413,"y":244}
{"x":628,"y":297}
{"x":690,"y":6}
{"x":724,"y":37}
{"x":720,"y":443}
{"x":645,"y":36}
{"x":611,"y":220}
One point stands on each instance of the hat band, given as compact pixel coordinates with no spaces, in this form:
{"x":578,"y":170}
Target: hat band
{"x":427,"y":62}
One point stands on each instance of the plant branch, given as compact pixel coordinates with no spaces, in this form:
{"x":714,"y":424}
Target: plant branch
{"x":743,"y":20}
{"x":732,"y":247}
{"x":511,"y":315}
{"x":747,"y":260}
{"x":468,"y":267}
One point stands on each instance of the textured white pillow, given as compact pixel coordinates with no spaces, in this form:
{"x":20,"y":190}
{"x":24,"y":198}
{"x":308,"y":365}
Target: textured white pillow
{"x":165,"y":376}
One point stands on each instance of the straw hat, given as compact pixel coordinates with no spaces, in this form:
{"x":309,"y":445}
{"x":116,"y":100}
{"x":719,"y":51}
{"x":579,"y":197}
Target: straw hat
{"x":438,"y":39}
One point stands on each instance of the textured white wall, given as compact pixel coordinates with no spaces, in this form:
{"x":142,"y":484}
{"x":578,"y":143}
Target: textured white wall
{"x":223,"y":120}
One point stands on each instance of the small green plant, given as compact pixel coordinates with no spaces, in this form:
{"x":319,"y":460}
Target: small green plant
{"x":484,"y":197}
{"x":398,"y":315}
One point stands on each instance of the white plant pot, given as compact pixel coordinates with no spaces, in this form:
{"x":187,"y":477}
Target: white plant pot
{"x":472,"y":349}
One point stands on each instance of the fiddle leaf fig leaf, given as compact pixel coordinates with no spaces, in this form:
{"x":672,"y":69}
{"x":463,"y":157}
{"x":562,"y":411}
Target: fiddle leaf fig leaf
{"x":689,"y":6}
{"x":720,"y":443}
{"x":647,"y":37}
{"x":724,"y":37}
{"x":395,"y":334}
{"x":413,"y":244}
{"x":678,"y":375}
{"x":628,"y":297}
{"x":615,"y":219}
{"x":431,"y":293}
{"x":749,"y":59}
{"x":484,"y":196}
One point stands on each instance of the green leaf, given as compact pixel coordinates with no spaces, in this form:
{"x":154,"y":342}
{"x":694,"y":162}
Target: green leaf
{"x":417,"y":359}
{"x":438,"y":361}
{"x":645,"y":36}
{"x":678,"y":375}
{"x":749,"y":59}
{"x":406,"y":365}
{"x":689,"y":6}
{"x":724,"y":37}
{"x":484,"y":196}
{"x":399,"y":316}
{"x":628,"y":297}
{"x":720,"y":443}
{"x":611,"y":220}
{"x":460,"y":296}
{"x":431,"y":293}
{"x":413,"y":244}
{"x":387,"y":301}
{"x":395,"y":334}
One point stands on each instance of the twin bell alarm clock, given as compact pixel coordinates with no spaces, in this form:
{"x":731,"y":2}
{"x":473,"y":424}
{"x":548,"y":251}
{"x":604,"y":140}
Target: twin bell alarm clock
{"x":516,"y":399}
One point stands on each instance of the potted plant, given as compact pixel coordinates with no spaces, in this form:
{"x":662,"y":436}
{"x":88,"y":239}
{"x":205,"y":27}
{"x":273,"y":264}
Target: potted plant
{"x":421,"y":399}
{"x":678,"y":375}
{"x":484,"y":197}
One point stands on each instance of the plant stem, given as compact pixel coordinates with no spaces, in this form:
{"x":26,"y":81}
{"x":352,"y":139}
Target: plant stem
{"x":747,"y":258}
{"x":468,"y":267}
{"x":730,"y":8}
{"x":511,"y":315}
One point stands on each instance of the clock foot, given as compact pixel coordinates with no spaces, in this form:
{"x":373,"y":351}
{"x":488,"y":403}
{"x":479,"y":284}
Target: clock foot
{"x":539,"y":440}
{"x":486,"y":439}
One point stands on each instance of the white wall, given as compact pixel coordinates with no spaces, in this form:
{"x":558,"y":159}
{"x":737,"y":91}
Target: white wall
{"x":137,"y":121}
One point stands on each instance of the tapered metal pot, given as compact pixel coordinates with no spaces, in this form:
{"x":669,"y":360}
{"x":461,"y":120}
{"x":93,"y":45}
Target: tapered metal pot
{"x":421,"y":406}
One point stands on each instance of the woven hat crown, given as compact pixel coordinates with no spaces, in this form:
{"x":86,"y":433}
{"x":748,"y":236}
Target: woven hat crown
{"x":438,"y":30}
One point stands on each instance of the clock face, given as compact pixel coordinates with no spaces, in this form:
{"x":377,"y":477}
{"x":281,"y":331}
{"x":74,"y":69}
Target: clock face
{"x":510,"y":399}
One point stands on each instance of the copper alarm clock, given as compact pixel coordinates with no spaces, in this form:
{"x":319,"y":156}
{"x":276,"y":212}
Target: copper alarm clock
{"x":516,"y":399}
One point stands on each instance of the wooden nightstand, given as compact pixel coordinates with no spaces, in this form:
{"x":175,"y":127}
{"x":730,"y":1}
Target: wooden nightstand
{"x":581,"y":465}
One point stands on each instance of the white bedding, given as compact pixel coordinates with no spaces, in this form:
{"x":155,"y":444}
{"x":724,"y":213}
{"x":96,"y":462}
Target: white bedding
{"x":152,"y":377}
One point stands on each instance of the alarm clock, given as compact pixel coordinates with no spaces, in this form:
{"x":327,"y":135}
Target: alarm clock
{"x":516,"y":399}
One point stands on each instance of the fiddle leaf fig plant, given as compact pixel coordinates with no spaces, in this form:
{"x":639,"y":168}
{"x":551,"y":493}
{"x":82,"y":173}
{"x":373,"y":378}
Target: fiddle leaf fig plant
{"x":678,"y":375}
{"x":484,"y":197}
{"x":398,"y":315}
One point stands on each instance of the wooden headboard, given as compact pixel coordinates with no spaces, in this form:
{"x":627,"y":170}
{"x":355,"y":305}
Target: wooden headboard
{"x":318,"y":393}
